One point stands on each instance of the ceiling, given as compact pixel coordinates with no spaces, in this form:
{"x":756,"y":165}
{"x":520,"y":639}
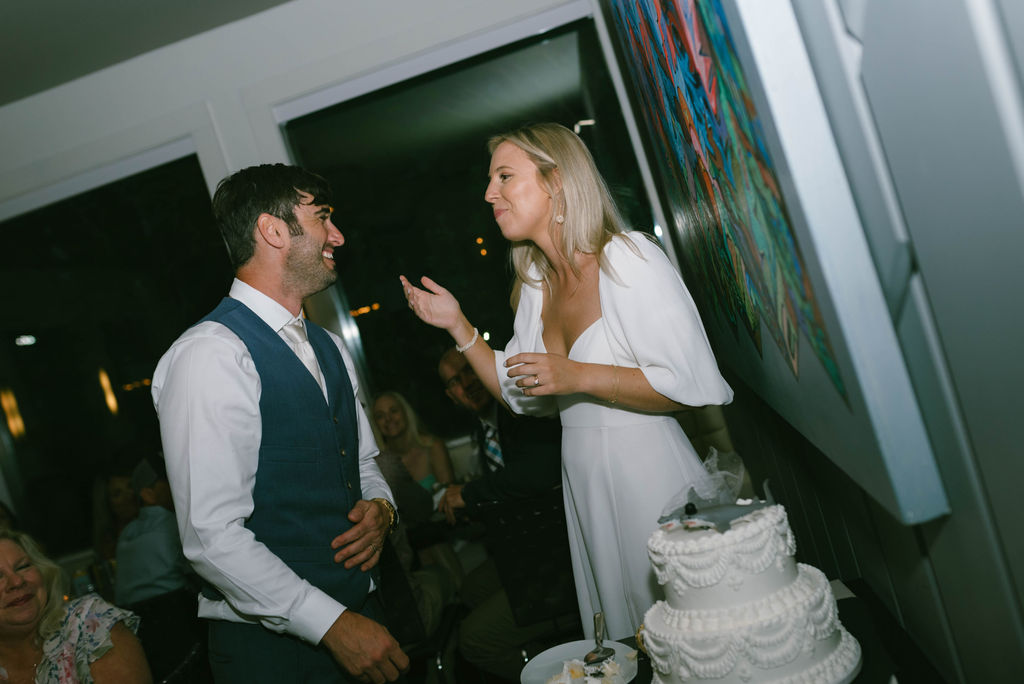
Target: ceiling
{"x":44,"y":43}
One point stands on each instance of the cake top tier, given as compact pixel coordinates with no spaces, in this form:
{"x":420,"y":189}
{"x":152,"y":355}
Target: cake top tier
{"x":702,"y":557}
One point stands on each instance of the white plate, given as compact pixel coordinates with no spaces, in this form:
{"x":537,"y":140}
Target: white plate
{"x":549,"y":663}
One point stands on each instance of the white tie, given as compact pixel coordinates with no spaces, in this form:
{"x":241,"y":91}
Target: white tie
{"x":295,"y":332}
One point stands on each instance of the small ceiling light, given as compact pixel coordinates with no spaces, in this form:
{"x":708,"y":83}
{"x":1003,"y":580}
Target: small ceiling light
{"x":479,"y":241}
{"x":578,"y":126}
{"x":487,"y":336}
{"x":25,"y":340}
{"x":483,"y":252}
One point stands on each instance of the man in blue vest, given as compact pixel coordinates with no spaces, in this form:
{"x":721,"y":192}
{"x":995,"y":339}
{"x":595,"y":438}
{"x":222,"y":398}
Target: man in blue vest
{"x":280,"y":504}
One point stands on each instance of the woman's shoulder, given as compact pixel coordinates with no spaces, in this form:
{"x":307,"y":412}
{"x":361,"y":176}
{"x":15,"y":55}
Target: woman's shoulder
{"x":84,"y":605}
{"x":632,"y":249}
{"x":84,"y":634}
{"x":633,"y":244}
{"x":432,"y":441}
{"x":94,"y":608}
{"x":635,"y":255}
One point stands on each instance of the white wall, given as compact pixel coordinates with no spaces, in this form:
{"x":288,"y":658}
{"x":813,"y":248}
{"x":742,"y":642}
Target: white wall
{"x":215,"y":92}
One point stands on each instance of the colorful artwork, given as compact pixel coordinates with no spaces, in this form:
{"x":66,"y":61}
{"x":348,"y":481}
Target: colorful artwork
{"x":732,"y":230}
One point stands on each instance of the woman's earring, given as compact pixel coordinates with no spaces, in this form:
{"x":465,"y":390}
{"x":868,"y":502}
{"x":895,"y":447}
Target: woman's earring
{"x":559,"y":219}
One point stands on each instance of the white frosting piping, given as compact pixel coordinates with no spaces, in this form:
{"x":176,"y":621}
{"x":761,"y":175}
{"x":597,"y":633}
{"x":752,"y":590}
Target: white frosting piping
{"x":752,"y":544}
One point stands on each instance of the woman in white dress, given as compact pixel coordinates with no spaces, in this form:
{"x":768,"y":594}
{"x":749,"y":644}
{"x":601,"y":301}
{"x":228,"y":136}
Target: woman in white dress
{"x":606,"y":334}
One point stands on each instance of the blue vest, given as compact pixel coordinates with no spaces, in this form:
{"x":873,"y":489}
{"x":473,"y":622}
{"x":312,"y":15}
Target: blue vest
{"x":308,"y":475}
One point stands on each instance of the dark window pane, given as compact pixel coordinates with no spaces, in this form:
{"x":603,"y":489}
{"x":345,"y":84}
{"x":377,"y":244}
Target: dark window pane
{"x":105,"y":280}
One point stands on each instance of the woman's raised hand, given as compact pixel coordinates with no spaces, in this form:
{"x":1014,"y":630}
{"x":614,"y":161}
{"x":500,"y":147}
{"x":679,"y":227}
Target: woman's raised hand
{"x":438,"y":307}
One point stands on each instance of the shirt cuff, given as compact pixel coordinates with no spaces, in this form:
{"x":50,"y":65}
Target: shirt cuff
{"x":314,"y":616}
{"x":372,"y":492}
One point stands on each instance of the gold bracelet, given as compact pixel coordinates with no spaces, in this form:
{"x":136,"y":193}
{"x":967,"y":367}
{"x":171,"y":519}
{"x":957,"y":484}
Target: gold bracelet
{"x":615,"y":386}
{"x":392,"y":513}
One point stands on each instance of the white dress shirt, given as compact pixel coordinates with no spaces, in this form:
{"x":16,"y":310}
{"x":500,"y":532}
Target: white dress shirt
{"x":207,"y":394}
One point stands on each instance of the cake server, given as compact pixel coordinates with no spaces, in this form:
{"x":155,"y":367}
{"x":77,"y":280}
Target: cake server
{"x":600,"y":652}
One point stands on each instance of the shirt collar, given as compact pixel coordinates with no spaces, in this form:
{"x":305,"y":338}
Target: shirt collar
{"x":269,"y":311}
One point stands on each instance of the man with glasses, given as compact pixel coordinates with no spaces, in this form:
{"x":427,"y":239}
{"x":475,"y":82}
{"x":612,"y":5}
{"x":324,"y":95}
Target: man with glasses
{"x":521,"y":458}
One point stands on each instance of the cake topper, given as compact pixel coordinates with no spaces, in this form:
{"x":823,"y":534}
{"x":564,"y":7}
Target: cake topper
{"x":702,"y":514}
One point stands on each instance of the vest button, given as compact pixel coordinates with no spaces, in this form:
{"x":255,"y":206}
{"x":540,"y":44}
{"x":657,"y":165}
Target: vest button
{"x":335,"y":420}
{"x":343,"y":453}
{"x":349,"y":485}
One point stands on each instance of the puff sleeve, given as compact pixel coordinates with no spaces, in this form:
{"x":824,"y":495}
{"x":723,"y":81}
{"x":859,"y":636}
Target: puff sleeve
{"x":526,"y":337}
{"x":654,"y":325}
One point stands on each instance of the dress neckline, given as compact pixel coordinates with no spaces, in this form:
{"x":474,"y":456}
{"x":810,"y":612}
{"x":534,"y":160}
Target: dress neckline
{"x":568,"y":353}
{"x":579,"y":337}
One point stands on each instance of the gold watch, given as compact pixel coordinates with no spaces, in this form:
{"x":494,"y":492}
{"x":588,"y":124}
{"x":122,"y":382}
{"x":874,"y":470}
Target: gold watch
{"x":392,"y":513}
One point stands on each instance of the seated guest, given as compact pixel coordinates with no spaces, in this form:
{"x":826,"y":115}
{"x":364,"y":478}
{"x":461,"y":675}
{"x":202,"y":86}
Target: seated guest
{"x":153,"y":578}
{"x":432,"y":584}
{"x":521,"y":459}
{"x":150,"y":561}
{"x":520,"y":455}
{"x":424,"y":456}
{"x":426,"y":459}
{"x":47,"y":641}
{"x":114,"y":506}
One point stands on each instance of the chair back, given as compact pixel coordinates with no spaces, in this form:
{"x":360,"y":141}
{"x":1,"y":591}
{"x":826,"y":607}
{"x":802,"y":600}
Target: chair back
{"x":529,"y":543}
{"x":401,"y":616}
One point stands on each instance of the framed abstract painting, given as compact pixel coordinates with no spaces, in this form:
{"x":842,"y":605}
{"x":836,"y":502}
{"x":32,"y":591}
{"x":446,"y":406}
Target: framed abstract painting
{"x":767,"y":235}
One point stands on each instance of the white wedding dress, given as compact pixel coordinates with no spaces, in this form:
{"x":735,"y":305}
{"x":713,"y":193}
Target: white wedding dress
{"x":620,"y":467}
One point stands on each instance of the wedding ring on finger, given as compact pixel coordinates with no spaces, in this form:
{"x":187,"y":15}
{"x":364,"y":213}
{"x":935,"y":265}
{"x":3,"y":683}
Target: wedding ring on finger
{"x":536,"y":380}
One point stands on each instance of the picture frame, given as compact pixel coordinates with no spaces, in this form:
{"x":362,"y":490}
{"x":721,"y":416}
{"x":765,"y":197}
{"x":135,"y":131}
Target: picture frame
{"x":767,"y":236}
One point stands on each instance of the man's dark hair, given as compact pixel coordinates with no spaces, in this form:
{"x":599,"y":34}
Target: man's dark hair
{"x":266,"y":189}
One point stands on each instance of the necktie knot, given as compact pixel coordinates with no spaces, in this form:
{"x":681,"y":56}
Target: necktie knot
{"x":295,"y":331}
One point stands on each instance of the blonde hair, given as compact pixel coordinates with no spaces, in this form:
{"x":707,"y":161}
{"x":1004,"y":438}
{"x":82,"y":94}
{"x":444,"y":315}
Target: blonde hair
{"x":412,"y":421}
{"x":567,"y":172}
{"x":53,"y":580}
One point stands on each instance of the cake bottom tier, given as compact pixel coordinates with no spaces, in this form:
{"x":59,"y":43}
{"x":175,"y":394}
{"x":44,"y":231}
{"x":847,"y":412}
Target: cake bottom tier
{"x":791,"y":636}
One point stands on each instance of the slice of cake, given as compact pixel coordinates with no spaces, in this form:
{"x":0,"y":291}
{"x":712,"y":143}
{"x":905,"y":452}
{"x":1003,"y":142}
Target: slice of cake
{"x":576,"y":672}
{"x":739,"y":609}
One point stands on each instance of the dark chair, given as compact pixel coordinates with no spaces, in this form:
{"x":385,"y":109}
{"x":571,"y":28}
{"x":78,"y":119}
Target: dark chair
{"x":529,"y":543}
{"x":194,"y":668}
{"x":173,"y":637}
{"x":402,"y":618}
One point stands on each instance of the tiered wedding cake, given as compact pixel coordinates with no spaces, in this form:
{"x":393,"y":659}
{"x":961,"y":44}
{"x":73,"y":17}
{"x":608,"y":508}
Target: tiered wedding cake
{"x":738,"y":609}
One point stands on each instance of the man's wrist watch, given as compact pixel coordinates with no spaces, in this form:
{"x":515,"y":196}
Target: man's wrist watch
{"x":392,"y":513}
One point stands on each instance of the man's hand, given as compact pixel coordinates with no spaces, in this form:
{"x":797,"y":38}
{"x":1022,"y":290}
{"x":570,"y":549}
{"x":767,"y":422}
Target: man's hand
{"x":365,"y":648}
{"x":362,"y":543}
{"x":451,"y":500}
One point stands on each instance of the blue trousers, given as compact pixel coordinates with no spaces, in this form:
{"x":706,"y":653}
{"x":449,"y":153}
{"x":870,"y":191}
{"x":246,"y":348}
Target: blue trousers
{"x":243,"y":653}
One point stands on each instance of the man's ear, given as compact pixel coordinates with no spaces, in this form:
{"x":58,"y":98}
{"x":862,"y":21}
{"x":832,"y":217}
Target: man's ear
{"x":271,"y":229}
